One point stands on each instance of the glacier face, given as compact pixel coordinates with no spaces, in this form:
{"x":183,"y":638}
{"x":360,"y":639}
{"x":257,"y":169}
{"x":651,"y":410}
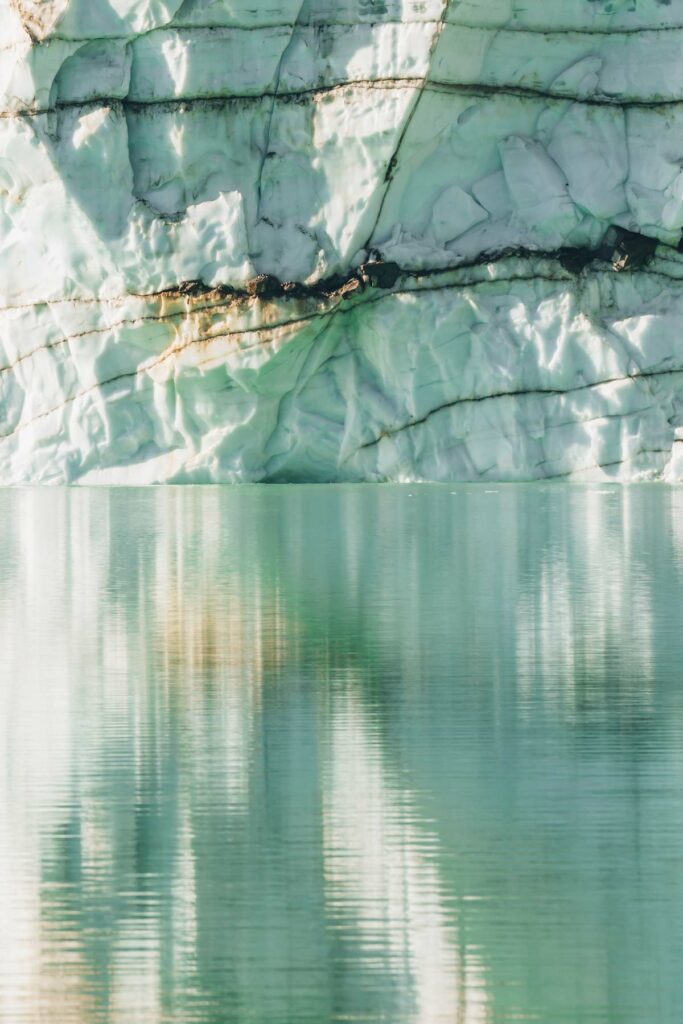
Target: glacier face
{"x":340,"y":240}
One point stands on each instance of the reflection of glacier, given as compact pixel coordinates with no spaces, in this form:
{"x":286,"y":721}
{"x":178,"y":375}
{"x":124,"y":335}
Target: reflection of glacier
{"x":122,"y":754}
{"x":567,"y":638}
{"x":298,"y":755}
{"x":383,"y":872}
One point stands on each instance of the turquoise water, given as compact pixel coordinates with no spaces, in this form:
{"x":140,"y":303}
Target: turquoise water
{"x":290,"y":755}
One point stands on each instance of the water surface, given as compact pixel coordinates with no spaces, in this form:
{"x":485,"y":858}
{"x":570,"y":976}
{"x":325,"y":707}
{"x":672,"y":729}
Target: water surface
{"x":305,"y":755}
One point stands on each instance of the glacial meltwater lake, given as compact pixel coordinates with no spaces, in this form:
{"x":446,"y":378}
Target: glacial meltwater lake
{"x":299,"y":755}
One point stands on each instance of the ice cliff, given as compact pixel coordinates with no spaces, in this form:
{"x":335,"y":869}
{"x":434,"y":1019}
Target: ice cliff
{"x":340,"y":240}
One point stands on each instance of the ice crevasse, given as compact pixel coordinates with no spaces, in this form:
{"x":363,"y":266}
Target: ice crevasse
{"x":340,"y":240}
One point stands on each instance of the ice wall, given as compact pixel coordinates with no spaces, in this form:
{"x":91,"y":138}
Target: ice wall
{"x":340,"y":240}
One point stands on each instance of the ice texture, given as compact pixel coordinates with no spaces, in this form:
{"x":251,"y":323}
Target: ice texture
{"x":322,"y":240}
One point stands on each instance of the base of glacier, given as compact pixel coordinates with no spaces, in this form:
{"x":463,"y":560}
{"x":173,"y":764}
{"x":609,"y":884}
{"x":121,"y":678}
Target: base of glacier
{"x":508,"y":371}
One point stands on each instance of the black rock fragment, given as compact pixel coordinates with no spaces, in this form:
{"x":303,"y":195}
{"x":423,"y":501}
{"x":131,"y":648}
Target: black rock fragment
{"x":574,"y":260}
{"x":265,"y":286}
{"x":625,"y":250}
{"x":380,"y":274}
{"x":633,"y":251}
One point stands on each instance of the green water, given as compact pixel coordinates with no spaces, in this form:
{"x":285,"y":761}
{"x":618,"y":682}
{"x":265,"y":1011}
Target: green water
{"x":341,"y":754}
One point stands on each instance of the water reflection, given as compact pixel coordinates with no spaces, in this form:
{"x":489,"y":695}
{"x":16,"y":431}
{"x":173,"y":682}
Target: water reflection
{"x":326,"y":754}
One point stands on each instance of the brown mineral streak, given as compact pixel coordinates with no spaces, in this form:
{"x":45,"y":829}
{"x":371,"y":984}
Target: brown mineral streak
{"x":39,"y":19}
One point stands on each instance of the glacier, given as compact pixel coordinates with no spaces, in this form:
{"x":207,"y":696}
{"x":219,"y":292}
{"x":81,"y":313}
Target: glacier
{"x":340,"y":240}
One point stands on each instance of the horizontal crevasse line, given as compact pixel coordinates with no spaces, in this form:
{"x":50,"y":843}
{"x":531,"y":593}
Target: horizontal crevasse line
{"x":333,"y":306}
{"x":171,"y":104}
{"x":521,"y":393}
{"x":464,"y":57}
{"x":490,"y":269}
{"x":532,"y":28}
{"x":389,"y":432}
{"x":127,"y":375}
{"x":615,"y":462}
{"x":131,"y":37}
{"x":266,"y":328}
{"x":485,"y":90}
{"x":314,"y":24}
{"x":545,"y":29}
{"x":431,"y":85}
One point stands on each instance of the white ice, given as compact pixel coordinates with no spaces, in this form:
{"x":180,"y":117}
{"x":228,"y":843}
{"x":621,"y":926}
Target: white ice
{"x":145,"y":144}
